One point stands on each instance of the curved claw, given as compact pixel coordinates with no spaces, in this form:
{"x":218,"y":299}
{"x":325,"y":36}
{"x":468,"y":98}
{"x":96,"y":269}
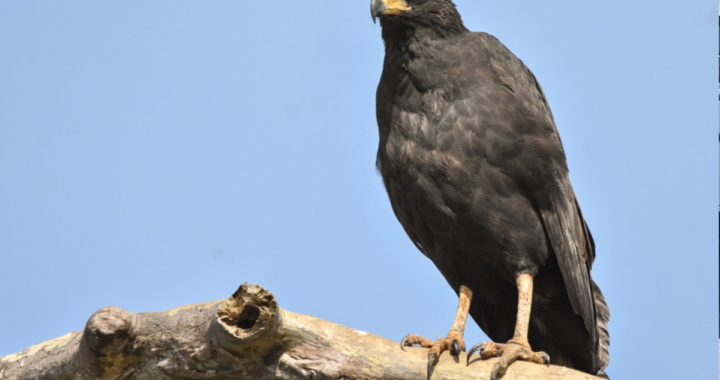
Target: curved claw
{"x":546,"y":358}
{"x":478,"y":347}
{"x":403,"y":343}
{"x":497,"y":372}
{"x":455,"y":348}
{"x":432,"y":360}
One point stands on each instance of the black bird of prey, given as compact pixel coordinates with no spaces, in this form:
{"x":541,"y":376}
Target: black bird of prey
{"x":476,"y":174}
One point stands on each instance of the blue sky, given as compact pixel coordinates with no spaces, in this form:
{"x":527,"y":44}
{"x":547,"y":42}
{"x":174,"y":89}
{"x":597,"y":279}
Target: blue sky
{"x":155,"y":154}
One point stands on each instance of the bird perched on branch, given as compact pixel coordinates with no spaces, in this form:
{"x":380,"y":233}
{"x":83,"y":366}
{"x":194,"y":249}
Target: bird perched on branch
{"x":477,"y":176}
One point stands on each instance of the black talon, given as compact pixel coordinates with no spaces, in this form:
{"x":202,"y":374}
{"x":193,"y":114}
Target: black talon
{"x":432,"y":358}
{"x":497,"y":372}
{"x":478,"y":348}
{"x":546,"y":357}
{"x":455,"y":350}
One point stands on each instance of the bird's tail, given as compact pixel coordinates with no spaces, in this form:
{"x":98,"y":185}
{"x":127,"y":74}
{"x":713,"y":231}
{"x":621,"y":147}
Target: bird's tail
{"x":602,"y":317}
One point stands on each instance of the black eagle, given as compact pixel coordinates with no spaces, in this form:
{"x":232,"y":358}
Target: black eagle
{"x":476,"y":174}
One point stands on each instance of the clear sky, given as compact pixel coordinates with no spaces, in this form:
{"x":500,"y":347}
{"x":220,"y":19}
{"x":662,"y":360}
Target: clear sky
{"x":160,"y":153}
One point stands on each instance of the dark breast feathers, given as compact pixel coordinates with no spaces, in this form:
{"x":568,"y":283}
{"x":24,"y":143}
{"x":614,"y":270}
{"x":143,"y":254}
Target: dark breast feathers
{"x":476,"y":174}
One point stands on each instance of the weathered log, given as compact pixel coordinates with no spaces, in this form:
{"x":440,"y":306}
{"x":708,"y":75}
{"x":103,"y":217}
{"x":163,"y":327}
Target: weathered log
{"x":246,"y":336}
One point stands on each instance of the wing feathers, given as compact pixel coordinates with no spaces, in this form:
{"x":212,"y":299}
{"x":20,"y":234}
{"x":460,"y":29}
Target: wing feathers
{"x":566,"y":231}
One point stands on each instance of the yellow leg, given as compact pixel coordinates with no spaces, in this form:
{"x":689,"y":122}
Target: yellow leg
{"x":453,"y":342}
{"x":518,"y":347}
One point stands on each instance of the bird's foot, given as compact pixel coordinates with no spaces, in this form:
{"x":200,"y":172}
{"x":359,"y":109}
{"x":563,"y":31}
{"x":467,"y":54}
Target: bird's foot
{"x":513,"y":350}
{"x":453,"y":342}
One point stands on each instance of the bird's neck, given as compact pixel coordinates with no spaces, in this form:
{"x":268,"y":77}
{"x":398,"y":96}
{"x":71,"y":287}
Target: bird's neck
{"x":444,"y":23}
{"x":398,"y":40}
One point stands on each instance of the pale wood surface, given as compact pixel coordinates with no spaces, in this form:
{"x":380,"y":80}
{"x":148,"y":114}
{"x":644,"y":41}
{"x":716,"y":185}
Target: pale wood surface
{"x":246,"y":336}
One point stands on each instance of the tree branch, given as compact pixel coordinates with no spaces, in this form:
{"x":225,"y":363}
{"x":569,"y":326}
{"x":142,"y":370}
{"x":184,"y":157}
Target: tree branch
{"x":246,"y":336}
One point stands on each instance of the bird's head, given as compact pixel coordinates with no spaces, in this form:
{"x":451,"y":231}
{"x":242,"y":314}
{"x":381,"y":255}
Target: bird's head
{"x":436,"y":14}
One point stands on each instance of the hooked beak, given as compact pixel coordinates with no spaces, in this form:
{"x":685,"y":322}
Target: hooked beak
{"x":377,"y":7}
{"x":387,"y":7}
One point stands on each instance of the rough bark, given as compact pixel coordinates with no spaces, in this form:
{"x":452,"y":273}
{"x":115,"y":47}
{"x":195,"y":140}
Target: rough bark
{"x":246,"y":336}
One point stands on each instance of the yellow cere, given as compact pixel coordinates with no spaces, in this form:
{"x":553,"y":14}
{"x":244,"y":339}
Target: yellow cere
{"x":396,"y":6}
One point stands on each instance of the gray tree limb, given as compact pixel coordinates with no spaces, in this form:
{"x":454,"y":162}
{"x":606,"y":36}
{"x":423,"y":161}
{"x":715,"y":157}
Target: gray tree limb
{"x":246,"y":336}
